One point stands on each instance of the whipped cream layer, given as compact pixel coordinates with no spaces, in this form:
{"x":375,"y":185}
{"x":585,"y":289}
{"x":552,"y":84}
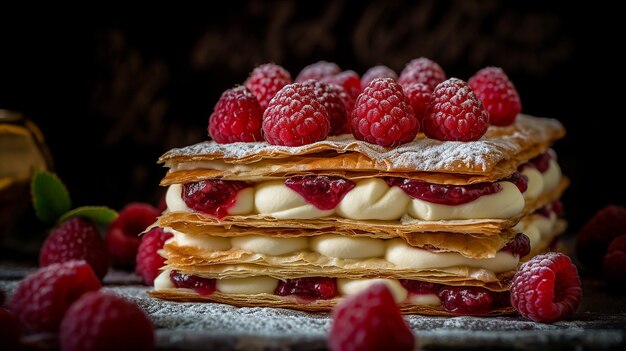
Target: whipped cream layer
{"x":395,"y":251}
{"x":267,"y":285}
{"x":372,"y":199}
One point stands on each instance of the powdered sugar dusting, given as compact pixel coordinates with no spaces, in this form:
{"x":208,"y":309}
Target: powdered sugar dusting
{"x":422,"y":154}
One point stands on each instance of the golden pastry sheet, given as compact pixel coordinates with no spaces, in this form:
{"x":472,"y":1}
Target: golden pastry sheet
{"x":495,"y":156}
{"x":269,"y":300}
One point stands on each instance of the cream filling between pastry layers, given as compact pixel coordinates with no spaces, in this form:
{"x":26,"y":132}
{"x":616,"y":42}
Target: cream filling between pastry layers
{"x":395,"y":251}
{"x":552,"y":176}
{"x":370,"y":199}
{"x":535,"y":182}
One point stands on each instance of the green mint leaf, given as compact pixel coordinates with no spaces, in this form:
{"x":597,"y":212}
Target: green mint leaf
{"x":98,"y":214}
{"x":49,"y":195}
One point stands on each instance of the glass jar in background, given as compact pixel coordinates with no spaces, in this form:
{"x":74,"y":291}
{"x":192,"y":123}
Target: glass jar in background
{"x":23,"y":150}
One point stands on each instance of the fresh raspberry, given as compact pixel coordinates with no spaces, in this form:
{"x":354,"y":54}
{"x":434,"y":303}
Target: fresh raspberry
{"x":383,"y":115}
{"x":596,"y":235}
{"x":369,"y":320}
{"x":520,"y":245}
{"x":380,"y":71}
{"x":295,"y":117}
{"x":42,"y":298}
{"x":349,"y":81}
{"x":330,"y":96}
{"x":318,"y":71}
{"x":148,"y":259}
{"x":455,"y":113}
{"x":615,"y":262}
{"x":103,"y":321}
{"x":236,"y":117}
{"x":546,"y":288}
{"x":498,"y":94}
{"x":123,"y":235}
{"x":9,"y":330}
{"x":76,"y":239}
{"x":419,"y":97}
{"x":348,"y":102}
{"x":265,"y":81}
{"x":466,"y":300}
{"x":422,"y":70}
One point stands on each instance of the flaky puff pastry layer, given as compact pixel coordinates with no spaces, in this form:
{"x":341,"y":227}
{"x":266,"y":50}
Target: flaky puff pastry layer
{"x":269,"y":300}
{"x":198,"y":223}
{"x":493,"y":157}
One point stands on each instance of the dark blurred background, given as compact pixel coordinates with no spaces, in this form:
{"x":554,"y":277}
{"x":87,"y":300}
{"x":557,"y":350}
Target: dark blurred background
{"x":113,"y":88}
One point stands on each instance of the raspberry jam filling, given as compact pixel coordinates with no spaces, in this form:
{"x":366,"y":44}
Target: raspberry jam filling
{"x":542,"y":162}
{"x":323,"y":192}
{"x":314,"y":288}
{"x":203,"y":286}
{"x":520,"y":181}
{"x":450,"y":195}
{"x":520,"y":245}
{"x":419,"y":287}
{"x":213,"y":197}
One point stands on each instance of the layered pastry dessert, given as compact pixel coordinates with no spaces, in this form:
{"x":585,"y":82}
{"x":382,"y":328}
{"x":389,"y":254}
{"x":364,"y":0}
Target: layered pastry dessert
{"x":444,"y":224}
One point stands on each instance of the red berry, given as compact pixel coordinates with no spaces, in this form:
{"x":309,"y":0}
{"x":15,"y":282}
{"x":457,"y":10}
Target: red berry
{"x":42,"y":298}
{"x":615,"y":262}
{"x":419,"y":98}
{"x":103,"y":321}
{"x":236,"y":117}
{"x":295,"y":117}
{"x":318,"y":71}
{"x":379,"y":71}
{"x":9,"y":330}
{"x":422,"y":70}
{"x":330,"y":96}
{"x":498,"y":94}
{"x":546,"y":288}
{"x":382,"y":115}
{"x":265,"y":81}
{"x":148,"y":259}
{"x":76,"y":239}
{"x":455,"y":113}
{"x":349,"y":81}
{"x":123,"y":235}
{"x":369,"y":320}
{"x":466,"y":300}
{"x":520,"y":245}
{"x":596,"y":235}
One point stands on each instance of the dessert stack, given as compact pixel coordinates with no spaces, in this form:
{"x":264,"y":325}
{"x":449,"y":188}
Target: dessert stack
{"x":328,"y":187}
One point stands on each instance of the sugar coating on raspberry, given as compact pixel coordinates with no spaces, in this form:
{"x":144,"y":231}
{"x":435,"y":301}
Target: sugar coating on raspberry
{"x":317,"y":71}
{"x":614,"y":263}
{"x":323,"y":192}
{"x":444,"y":194}
{"x":295,"y":117}
{"x":101,"y":321}
{"x":380,"y":71}
{"x":596,"y":235}
{"x":311,"y":288}
{"x":203,"y":286}
{"x":9,"y":330}
{"x":148,"y":259}
{"x":498,"y":94}
{"x":265,"y":81}
{"x":422,"y":70}
{"x":123,"y":234}
{"x":519,"y":246}
{"x":455,"y":113}
{"x":419,"y":97}
{"x":213,"y":196}
{"x":546,"y":288}
{"x":369,"y":320}
{"x":330,"y":96}
{"x":349,"y":81}
{"x":76,"y":239}
{"x":236,"y":117}
{"x":466,"y":300}
{"x":383,"y":115}
{"x":42,"y":298}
